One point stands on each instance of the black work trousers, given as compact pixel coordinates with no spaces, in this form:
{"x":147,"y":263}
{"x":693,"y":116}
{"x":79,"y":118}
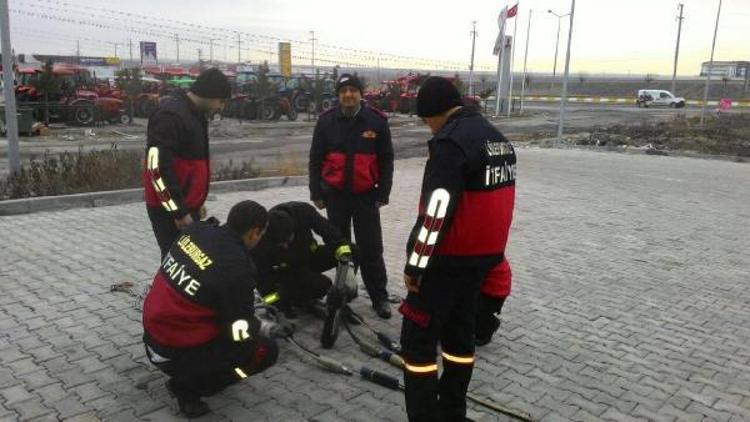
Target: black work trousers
{"x":299,"y":285}
{"x":206,"y":370}
{"x":442,"y":312}
{"x":344,"y":209}
{"x":165,"y":229}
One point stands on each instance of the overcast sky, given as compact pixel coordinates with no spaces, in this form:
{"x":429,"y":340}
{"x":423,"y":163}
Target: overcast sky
{"x":612,"y":36}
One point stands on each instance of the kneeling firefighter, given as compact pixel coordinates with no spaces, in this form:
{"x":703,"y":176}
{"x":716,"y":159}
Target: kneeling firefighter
{"x":199,"y":321}
{"x":290,"y":260}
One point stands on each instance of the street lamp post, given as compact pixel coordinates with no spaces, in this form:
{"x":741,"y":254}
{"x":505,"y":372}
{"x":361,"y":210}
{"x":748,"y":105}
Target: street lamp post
{"x":563,"y":97}
{"x":557,"y":42}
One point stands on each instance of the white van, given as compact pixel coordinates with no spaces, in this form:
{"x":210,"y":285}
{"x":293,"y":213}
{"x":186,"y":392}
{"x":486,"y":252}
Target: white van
{"x":656,"y":98}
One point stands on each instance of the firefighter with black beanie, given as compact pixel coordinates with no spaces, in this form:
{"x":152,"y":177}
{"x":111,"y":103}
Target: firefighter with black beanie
{"x":199,"y":320}
{"x":291,"y":262}
{"x":351,"y":174}
{"x":465,"y":213}
{"x":177,"y":172}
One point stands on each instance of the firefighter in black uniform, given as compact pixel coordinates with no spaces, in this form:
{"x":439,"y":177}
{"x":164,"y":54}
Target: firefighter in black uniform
{"x":466,"y":208}
{"x":198,"y":317}
{"x":351,"y":173}
{"x":290,"y":260}
{"x":177,"y":172}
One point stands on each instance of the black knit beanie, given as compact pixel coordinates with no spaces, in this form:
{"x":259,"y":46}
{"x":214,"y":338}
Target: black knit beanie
{"x":349,"y":80}
{"x":247,"y":215}
{"x":436,"y":96}
{"x":212,"y":83}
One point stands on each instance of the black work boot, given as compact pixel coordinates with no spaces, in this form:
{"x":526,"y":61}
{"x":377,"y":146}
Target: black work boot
{"x":382,"y":308}
{"x":192,"y":407}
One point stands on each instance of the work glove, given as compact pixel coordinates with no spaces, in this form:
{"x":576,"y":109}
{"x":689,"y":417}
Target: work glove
{"x":343,"y":253}
{"x":281,"y":329}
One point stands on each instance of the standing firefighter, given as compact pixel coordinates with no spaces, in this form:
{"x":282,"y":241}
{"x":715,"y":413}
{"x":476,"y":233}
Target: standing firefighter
{"x":198,"y":318}
{"x":177,"y":171}
{"x":465,"y":214}
{"x":351,"y":173}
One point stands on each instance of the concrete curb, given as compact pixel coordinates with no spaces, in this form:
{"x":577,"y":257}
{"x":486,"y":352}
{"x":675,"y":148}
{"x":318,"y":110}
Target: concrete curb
{"x":126,"y":196}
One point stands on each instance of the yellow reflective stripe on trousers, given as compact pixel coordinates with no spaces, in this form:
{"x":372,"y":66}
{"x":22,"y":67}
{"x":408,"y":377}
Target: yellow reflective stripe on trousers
{"x":421,"y":369}
{"x":463,"y":360}
{"x":240,"y":373}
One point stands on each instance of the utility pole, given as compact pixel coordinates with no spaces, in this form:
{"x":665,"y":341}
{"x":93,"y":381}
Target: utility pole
{"x":526,"y":61}
{"x":379,"y":80}
{"x":177,"y":40}
{"x":563,"y":97}
{"x":312,"y":40}
{"x":211,"y":49}
{"x":239,"y":48}
{"x":677,"y":48}
{"x":710,"y":66}
{"x":200,"y":55}
{"x":471,"y":66}
{"x":78,"y":51}
{"x":11,"y":117}
{"x":130,"y":42}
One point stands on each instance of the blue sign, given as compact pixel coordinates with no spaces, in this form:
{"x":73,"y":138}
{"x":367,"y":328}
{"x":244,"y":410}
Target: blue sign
{"x":148,"y":52}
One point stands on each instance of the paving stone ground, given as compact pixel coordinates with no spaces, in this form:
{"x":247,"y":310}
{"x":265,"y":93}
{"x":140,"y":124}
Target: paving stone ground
{"x":630,"y":302}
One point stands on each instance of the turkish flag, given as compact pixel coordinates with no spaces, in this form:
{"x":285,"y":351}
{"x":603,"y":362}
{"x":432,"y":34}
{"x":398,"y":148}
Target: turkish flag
{"x":513,"y":11}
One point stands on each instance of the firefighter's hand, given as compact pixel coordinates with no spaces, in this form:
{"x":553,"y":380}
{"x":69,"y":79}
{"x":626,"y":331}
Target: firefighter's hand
{"x":183,"y":222}
{"x":281,"y":329}
{"x":320,"y":204}
{"x":412,"y":283}
{"x":203,"y":212}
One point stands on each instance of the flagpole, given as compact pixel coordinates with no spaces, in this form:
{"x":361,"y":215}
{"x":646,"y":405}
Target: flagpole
{"x":525,"y":60}
{"x":513,"y":56}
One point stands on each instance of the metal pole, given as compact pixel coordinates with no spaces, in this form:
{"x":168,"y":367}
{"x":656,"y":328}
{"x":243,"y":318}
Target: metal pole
{"x":677,"y":48}
{"x":512,"y":59}
{"x":177,"y":40}
{"x":499,"y":77}
{"x":525,"y":61}
{"x":563,"y":97}
{"x":11,"y":117}
{"x":130,"y":42}
{"x":239,"y":48}
{"x":312,"y":40}
{"x":471,"y":66}
{"x":211,"y":50}
{"x":710,"y":66}
{"x":557,"y":47}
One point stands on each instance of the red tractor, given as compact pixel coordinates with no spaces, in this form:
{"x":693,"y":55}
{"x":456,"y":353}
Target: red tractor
{"x":400,"y":95}
{"x":78,"y":100}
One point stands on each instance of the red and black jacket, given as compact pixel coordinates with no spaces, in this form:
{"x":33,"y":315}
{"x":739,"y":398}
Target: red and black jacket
{"x":203,"y":291}
{"x":177,"y":171}
{"x":351,"y":154}
{"x":468,"y":195}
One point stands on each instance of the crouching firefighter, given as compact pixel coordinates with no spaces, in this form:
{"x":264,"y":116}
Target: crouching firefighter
{"x":495,"y":290}
{"x":291,"y":262}
{"x":198,"y":318}
{"x":465,"y":213}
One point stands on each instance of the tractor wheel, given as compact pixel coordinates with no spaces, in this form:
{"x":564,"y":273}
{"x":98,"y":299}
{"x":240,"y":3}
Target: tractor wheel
{"x":292,"y":114}
{"x":82,"y":113}
{"x":326,"y":103}
{"x":300,"y":103}
{"x":268,"y":111}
